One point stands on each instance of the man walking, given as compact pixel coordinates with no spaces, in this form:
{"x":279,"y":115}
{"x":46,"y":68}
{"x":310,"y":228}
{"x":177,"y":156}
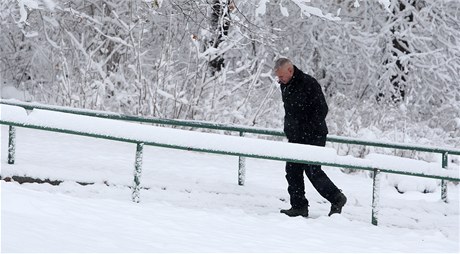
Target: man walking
{"x":304,"y":123}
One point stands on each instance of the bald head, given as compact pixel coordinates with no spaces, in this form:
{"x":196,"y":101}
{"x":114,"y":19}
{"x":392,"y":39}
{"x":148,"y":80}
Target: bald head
{"x":284,"y":70}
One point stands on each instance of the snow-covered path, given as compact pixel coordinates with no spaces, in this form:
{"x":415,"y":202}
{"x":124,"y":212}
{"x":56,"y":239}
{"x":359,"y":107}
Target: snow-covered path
{"x":193,"y":204}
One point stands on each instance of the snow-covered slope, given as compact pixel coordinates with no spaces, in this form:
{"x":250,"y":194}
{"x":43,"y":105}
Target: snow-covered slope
{"x":193,"y":204}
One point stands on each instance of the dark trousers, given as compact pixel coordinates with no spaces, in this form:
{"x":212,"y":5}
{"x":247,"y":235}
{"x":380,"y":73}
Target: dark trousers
{"x":319,"y":179}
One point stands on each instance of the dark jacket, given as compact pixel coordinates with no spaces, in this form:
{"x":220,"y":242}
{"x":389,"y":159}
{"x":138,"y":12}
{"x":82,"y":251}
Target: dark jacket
{"x":305,"y":108}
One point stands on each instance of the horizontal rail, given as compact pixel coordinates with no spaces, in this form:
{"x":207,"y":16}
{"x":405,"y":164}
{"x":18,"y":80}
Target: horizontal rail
{"x":222,"y":152}
{"x":394,"y":145}
{"x":116,"y":116}
{"x":226,"y":127}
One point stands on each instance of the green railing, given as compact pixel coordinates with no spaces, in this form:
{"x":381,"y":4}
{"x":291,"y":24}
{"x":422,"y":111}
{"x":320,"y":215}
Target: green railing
{"x":444,"y":152}
{"x":240,"y":129}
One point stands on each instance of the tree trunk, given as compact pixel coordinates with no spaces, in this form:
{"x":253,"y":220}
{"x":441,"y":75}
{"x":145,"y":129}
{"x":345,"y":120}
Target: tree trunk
{"x":220,"y":23}
{"x":402,"y":18}
{"x":400,"y":45}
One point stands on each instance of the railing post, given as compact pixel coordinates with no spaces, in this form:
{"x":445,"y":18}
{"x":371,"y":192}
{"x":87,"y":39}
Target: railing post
{"x":137,"y":172}
{"x":241,"y":167}
{"x":11,"y":144}
{"x":375,"y":197}
{"x":445,"y":160}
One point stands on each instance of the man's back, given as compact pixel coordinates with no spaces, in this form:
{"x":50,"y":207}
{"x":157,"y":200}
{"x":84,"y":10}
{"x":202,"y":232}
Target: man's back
{"x":305,"y":107}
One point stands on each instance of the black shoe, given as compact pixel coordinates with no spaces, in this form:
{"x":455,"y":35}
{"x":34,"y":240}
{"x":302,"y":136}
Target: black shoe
{"x":337,"y":207}
{"x":293,"y":212}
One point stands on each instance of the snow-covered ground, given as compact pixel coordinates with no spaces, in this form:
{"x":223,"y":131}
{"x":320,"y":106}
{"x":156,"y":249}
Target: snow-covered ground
{"x":193,"y":204}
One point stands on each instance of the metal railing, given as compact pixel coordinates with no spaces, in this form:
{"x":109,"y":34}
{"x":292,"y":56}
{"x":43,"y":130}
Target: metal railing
{"x":240,"y":129}
{"x":443,"y":151}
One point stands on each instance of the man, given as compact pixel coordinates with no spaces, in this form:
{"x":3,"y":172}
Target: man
{"x":304,"y":123}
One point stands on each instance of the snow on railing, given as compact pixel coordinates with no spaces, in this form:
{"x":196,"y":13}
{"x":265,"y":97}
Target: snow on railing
{"x":443,"y":151}
{"x":226,"y":127}
{"x":214,"y":143}
{"x":251,"y":147}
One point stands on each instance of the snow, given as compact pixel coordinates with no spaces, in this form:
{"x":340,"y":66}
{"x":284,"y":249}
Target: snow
{"x":172,"y":97}
{"x":159,"y":135}
{"x":309,"y":10}
{"x":364,"y":134}
{"x":23,"y":4}
{"x":205,"y":141}
{"x":261,"y":8}
{"x":305,"y":10}
{"x":284,"y":10}
{"x":402,"y":164}
{"x":50,"y":4}
{"x":194,"y":204}
{"x":33,"y":4}
{"x":356,"y":4}
{"x":56,"y":108}
{"x":114,"y":39}
{"x":12,"y":93}
{"x":374,"y":139}
{"x":385,"y":4}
